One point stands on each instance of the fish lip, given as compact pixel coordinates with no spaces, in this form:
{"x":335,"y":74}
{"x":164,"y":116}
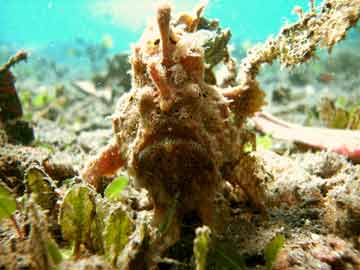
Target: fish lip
{"x":170,"y":139}
{"x":170,"y":152}
{"x":174,"y":131}
{"x":182,"y":139}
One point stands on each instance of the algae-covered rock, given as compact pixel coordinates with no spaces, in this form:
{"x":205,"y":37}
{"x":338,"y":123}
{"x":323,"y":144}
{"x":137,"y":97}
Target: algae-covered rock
{"x":342,"y":214}
{"x":313,"y":252}
{"x":7,"y":203}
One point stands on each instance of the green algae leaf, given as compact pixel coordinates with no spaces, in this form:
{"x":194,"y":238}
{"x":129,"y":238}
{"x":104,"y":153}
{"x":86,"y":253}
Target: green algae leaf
{"x":114,"y":189}
{"x":7,"y":203}
{"x":248,"y":147}
{"x":272,"y":250}
{"x":43,"y":249}
{"x":98,"y":224}
{"x":216,"y":47}
{"x":54,"y":252}
{"x":341,"y":102}
{"x":264,"y":142}
{"x":46,"y":146}
{"x":225,"y":257}
{"x":342,"y":113}
{"x":116,"y":235}
{"x":76,"y":215}
{"x":42,"y":99}
{"x":66,"y":253}
{"x":340,"y":119}
{"x":201,"y":247}
{"x":38,"y":183}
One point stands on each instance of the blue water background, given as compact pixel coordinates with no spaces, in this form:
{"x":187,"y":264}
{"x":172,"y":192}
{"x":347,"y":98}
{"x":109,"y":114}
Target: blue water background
{"x":39,"y":24}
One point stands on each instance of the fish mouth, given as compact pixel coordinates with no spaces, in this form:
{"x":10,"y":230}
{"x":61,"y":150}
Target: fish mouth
{"x":174,"y":160}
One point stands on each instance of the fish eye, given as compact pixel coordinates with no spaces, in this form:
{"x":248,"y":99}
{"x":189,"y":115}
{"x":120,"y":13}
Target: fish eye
{"x":157,"y":41}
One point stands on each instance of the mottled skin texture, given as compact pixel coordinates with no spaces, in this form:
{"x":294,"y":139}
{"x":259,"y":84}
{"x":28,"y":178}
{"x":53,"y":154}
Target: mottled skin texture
{"x":175,"y":134}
